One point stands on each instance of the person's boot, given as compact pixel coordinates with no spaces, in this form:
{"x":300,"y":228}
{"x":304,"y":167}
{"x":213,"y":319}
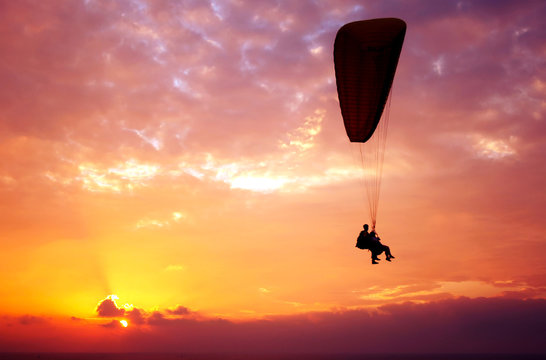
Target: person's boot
{"x":374,"y":262}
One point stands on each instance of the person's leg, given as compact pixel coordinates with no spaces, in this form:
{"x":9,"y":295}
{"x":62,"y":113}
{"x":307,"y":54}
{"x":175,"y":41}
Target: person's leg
{"x":388,"y":252}
{"x":376,"y":251}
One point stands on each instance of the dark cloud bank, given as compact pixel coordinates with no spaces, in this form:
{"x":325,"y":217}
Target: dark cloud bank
{"x":463,"y":325}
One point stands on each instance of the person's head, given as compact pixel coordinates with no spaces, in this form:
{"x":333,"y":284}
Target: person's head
{"x":365,"y":227}
{"x":372,"y":232}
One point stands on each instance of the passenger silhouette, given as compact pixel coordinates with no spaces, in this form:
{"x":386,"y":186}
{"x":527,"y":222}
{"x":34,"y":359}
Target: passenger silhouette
{"x":363,"y":238}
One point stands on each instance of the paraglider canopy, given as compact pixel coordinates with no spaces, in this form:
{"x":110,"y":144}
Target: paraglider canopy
{"x":365,"y":57}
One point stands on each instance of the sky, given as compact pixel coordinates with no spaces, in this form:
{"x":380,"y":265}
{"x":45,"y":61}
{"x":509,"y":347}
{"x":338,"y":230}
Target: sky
{"x":175,"y":176}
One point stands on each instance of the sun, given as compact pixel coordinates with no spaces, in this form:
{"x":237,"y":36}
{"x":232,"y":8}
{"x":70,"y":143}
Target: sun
{"x":124,"y":323}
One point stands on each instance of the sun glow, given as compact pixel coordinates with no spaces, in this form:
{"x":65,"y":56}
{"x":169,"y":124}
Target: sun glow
{"x":124,"y":323}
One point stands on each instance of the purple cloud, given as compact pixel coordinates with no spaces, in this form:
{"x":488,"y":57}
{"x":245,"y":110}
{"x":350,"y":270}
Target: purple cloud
{"x":458,"y":325}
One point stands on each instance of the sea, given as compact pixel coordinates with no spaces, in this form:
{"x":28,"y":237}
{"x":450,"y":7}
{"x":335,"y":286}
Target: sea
{"x":172,"y":356}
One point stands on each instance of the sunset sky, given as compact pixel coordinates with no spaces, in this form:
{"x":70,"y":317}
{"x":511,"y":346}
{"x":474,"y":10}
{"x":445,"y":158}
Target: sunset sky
{"x":183,"y":166}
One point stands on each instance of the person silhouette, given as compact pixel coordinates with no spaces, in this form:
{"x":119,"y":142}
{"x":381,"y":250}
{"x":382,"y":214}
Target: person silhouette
{"x":366,"y":241}
{"x":377,"y":248}
{"x":362,"y":237}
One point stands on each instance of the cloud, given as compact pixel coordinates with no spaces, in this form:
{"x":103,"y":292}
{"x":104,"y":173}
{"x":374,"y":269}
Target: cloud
{"x":505,"y":324}
{"x":179,"y":310}
{"x":31,"y":320}
{"x":109,"y":308}
{"x":118,"y":58}
{"x":114,"y":324}
{"x":458,"y":325}
{"x":135,"y":316}
{"x":157,"y":318}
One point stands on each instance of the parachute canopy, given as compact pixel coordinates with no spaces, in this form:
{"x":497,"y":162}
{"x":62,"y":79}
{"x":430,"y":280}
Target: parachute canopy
{"x":365,"y":57}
